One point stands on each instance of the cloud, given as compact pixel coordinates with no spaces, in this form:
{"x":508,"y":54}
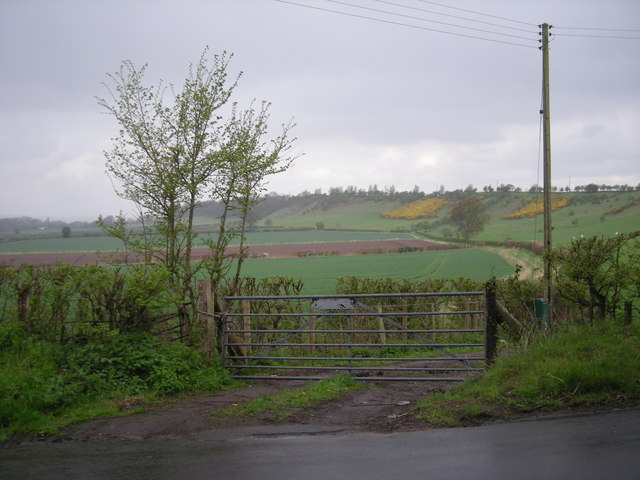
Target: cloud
{"x":52,"y":166}
{"x":71,"y":172}
{"x":375,"y":104}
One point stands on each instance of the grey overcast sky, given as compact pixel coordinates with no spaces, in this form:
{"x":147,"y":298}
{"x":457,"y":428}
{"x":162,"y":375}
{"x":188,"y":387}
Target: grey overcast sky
{"x":391,"y":99}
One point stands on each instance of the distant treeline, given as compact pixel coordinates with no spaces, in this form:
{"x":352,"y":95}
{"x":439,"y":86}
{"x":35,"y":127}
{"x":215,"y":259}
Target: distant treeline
{"x":18,"y":224}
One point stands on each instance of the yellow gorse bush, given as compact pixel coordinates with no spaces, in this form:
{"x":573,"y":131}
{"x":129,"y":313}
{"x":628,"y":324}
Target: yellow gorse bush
{"x":427,"y":208}
{"x":535,"y":206}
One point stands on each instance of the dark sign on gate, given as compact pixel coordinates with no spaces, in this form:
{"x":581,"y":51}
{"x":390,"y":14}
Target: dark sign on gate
{"x":333,"y":303}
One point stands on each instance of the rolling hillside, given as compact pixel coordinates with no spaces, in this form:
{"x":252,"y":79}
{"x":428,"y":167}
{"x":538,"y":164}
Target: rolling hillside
{"x":600,"y":213}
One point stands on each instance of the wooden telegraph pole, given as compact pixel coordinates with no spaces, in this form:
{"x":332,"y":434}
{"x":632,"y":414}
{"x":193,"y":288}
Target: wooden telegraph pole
{"x":547,"y":163}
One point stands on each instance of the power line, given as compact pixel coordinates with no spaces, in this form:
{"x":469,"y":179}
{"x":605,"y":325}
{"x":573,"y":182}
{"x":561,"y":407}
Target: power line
{"x":618,"y":37}
{"x":602,"y":29}
{"x":455,"y":16}
{"x":405,"y":24}
{"x":427,"y":20}
{"x":479,"y":13}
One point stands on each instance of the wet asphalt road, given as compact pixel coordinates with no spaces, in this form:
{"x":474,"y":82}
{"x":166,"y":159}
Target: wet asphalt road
{"x":603,"y":446}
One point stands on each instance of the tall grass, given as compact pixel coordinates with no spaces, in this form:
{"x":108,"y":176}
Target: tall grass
{"x":577,"y":366}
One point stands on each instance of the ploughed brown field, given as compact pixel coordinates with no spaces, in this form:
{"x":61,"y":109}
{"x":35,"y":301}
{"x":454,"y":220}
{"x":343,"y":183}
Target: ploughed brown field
{"x":266,"y":251}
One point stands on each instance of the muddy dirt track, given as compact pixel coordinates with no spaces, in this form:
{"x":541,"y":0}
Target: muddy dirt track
{"x":264,"y":251}
{"x":382,"y":407}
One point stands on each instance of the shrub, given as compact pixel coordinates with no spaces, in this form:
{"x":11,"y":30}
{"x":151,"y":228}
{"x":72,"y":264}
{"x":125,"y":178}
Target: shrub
{"x":427,"y":208}
{"x":45,"y":384}
{"x":534,"y":206}
{"x":136,"y":362}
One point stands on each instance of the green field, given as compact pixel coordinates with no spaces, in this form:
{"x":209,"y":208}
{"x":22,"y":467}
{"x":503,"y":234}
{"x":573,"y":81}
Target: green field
{"x":308,"y":236}
{"x":73,"y":244}
{"x":319,"y":273}
{"x":92,"y":244}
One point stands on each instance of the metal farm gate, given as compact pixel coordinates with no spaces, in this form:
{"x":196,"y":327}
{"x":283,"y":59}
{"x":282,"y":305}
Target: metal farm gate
{"x":375,"y":337}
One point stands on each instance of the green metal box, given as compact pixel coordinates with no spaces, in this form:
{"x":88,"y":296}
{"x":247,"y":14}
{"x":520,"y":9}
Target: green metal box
{"x":541,"y":308}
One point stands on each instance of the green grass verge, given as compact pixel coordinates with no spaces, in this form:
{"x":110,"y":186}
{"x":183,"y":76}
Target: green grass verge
{"x":282,"y":405}
{"x":579,"y":366}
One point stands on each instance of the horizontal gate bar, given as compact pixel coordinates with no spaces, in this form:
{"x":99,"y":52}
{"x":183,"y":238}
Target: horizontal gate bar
{"x":346,"y":313}
{"x":364,"y":379}
{"x":352,"y":345}
{"x":404,"y":332}
{"x":369,"y":368}
{"x":362,"y":359}
{"x":356,"y":295}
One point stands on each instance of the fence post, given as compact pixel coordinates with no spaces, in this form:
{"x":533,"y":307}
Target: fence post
{"x":405,"y":321}
{"x":312,"y":328}
{"x":245,"y":305}
{"x":436,"y":308}
{"x":381,"y":326}
{"x":206,"y":311}
{"x":491,"y":323}
{"x":628,"y":312}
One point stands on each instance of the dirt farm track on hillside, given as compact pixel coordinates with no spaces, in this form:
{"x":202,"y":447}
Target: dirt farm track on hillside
{"x":266,"y":251}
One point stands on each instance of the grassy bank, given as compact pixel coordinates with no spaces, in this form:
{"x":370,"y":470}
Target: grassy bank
{"x":45,"y":386}
{"x":575,"y":367}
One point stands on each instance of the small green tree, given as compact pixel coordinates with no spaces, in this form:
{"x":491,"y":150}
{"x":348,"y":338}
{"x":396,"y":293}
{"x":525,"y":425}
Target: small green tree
{"x":598,"y":273}
{"x":165,"y":158}
{"x":469,"y":217}
{"x":66,"y":231}
{"x":249,"y":159}
{"x":171,"y":155}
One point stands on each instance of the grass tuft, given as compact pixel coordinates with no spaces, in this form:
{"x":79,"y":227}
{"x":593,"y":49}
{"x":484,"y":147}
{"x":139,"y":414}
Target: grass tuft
{"x":285,"y":403}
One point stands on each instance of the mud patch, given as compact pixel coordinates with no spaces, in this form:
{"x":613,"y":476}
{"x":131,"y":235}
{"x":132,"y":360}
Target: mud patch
{"x":175,"y":419}
{"x":383,"y":407}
